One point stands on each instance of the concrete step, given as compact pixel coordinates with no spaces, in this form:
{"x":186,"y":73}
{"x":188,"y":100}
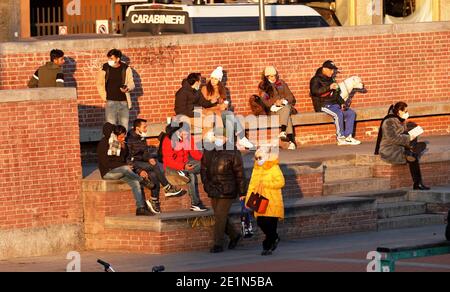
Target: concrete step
{"x":345,"y":187}
{"x":410,"y":221}
{"x":333,"y":174}
{"x":386,"y":196}
{"x":392,"y":210}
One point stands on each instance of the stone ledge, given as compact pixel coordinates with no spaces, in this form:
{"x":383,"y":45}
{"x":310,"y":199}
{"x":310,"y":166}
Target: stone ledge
{"x":294,"y":208}
{"x":303,"y":119}
{"x":37,"y":94}
{"x":41,"y":46}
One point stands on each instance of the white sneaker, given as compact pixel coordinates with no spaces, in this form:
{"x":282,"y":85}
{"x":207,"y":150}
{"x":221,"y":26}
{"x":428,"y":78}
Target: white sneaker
{"x":283,"y":136}
{"x":244,"y":142}
{"x":352,"y":141}
{"x":292,"y":146}
{"x":342,"y":142}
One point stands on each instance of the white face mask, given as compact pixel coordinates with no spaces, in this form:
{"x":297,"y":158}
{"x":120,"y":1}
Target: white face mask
{"x":111,"y":63}
{"x":261,"y":162}
{"x":219,"y":143}
{"x":405,"y":116}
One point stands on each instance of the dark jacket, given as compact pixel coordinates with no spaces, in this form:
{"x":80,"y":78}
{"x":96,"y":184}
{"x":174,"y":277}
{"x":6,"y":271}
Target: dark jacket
{"x":277,"y":91}
{"x":107,"y":163}
{"x":138,"y":150}
{"x":223,"y":174}
{"x":321,"y":92}
{"x":187,"y":98}
{"x":394,"y":139}
{"x":49,"y":75}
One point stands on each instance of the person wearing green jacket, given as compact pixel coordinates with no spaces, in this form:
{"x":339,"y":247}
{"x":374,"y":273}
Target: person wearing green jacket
{"x":50,"y":74}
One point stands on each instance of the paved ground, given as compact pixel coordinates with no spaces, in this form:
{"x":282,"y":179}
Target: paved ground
{"x":326,"y":254}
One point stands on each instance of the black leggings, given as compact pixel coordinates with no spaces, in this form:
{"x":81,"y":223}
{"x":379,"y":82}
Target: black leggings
{"x":269,"y":226}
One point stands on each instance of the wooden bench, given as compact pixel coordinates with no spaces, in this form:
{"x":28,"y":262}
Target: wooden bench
{"x":305,"y":119}
{"x":391,"y":255}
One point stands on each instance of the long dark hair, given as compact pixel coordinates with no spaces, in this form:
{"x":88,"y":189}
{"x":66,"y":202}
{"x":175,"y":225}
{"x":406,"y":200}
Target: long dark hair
{"x":210,"y":89}
{"x":399,"y":106}
{"x":265,"y":84}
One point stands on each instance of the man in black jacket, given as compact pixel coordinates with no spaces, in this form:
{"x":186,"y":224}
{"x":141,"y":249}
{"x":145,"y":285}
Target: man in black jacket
{"x":145,"y":158}
{"x":326,"y":98}
{"x":223,"y":179}
{"x":112,"y":153}
{"x":189,"y":96}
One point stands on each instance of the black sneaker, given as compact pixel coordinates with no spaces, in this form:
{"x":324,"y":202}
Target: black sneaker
{"x":266,"y":252}
{"x":275,"y":244}
{"x":171,"y":191}
{"x":143,"y":212}
{"x":234,"y":242}
{"x":199,"y":208}
{"x":148,"y":184}
{"x":154,"y":206}
{"x":216,"y":249}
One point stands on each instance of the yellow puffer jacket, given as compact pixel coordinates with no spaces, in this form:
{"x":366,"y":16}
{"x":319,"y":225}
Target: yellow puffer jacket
{"x":272,"y":180}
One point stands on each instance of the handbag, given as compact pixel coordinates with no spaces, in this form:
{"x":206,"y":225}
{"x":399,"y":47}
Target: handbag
{"x":257,"y":202}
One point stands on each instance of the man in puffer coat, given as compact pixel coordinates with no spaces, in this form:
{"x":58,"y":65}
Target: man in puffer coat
{"x":223,"y":180}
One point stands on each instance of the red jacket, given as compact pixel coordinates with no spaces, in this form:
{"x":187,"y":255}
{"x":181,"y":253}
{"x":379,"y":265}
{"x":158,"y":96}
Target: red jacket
{"x":176,"y":158}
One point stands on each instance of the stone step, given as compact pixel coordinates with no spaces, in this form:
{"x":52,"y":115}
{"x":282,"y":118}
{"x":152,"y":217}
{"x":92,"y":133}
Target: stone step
{"x":344,"y":187}
{"x":172,"y":232}
{"x":410,"y":221}
{"x":392,"y":210}
{"x":386,"y":196}
{"x":333,"y":174}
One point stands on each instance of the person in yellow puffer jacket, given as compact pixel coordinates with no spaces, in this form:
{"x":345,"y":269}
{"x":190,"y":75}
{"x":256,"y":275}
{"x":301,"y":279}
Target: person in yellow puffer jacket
{"x":268,"y":180}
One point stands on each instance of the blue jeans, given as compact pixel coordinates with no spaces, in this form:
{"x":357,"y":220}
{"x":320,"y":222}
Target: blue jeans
{"x":124,"y":173}
{"x":117,"y":113}
{"x":344,"y":120}
{"x":193,"y":185}
{"x":231,"y":122}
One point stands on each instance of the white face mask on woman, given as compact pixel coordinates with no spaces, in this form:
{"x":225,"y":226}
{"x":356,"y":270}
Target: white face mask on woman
{"x":111,"y":63}
{"x":405,"y":116}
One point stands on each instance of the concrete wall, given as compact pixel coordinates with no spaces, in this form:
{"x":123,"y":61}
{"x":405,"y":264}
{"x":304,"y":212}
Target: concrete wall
{"x":40,"y":172}
{"x":9,"y":20}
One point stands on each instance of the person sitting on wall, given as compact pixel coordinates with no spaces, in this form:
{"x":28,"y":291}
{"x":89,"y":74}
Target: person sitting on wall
{"x":181,"y":159}
{"x":214,"y":90}
{"x":112,"y":152}
{"x":324,"y":91}
{"x":397,"y":145}
{"x":51,"y":74}
{"x":144,"y":158}
{"x":278,"y":99}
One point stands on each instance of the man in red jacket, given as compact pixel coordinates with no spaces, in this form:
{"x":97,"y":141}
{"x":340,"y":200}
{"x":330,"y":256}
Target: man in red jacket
{"x":182,"y":158}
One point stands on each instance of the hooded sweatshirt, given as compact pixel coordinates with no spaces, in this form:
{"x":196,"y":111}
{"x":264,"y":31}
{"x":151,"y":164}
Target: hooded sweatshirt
{"x":320,"y":89}
{"x":187,"y":98}
{"x":106,"y":163}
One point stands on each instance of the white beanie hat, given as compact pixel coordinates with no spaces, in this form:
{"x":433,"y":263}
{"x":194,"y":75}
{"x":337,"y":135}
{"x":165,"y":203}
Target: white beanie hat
{"x":270,"y":70}
{"x":218,"y":73}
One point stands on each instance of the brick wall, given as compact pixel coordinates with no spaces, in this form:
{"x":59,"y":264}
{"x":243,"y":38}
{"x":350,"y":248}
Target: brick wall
{"x":400,"y":62}
{"x":40,"y":167}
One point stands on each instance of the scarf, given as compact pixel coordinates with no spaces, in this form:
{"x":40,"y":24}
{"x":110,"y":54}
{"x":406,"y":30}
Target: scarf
{"x":114,"y":146}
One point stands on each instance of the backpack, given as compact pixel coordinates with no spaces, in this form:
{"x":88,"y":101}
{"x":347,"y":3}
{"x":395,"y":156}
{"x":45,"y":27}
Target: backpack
{"x":258,"y":107}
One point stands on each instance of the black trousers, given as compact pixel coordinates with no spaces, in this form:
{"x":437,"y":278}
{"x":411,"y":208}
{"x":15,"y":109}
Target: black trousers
{"x":269,"y":226}
{"x":416,"y":174}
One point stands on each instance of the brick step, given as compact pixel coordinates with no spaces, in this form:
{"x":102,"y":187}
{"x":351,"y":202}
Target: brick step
{"x":175,"y":231}
{"x":344,"y":187}
{"x":386,"y":196}
{"x":410,"y":221}
{"x":333,"y":174}
{"x":392,"y":210}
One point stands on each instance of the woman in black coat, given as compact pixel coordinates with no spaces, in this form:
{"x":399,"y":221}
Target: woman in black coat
{"x":223,"y":179}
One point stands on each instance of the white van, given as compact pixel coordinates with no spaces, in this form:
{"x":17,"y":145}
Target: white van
{"x":157,"y":19}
